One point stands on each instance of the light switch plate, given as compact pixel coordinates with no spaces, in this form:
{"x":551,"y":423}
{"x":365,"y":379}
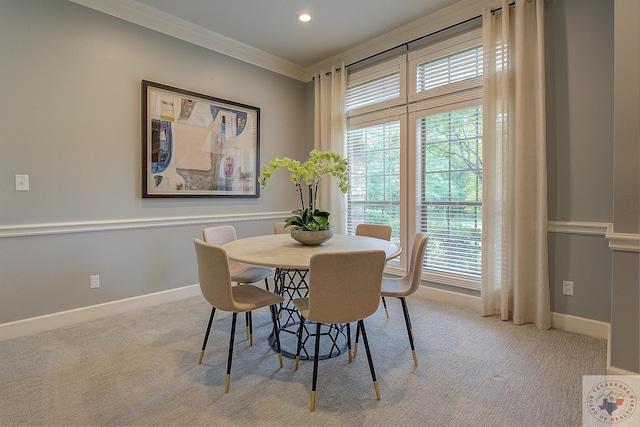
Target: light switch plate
{"x":22,"y":182}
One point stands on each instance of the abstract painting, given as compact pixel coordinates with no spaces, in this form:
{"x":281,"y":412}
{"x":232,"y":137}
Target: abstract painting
{"x":196,"y":145}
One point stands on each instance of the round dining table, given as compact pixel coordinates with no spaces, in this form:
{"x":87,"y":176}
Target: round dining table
{"x":291,"y":261}
{"x":281,"y":251}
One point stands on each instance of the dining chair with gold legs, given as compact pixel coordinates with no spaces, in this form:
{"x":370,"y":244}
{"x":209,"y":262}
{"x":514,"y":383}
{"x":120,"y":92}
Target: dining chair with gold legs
{"x":240,"y":273}
{"x":215,"y":283}
{"x":404,"y":286}
{"x":344,"y":287}
{"x":379,"y":231}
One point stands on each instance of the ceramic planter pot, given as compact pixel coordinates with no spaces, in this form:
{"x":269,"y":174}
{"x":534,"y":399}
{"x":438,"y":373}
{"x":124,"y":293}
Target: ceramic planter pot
{"x":311,"y":238}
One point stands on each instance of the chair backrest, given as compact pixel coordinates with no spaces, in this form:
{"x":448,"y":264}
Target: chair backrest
{"x":345,"y":286}
{"x":219,"y":235}
{"x":415,"y":267}
{"x":214,"y":275}
{"x":379,"y":231}
{"x":278,"y":228}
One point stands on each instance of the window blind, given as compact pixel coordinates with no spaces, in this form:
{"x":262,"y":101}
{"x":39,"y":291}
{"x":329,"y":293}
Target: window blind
{"x":451,"y":189}
{"x":449,"y":69}
{"x":380,"y":89}
{"x":374,"y":176}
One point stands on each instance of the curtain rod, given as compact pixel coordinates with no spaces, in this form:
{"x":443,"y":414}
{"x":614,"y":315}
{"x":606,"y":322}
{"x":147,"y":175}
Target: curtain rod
{"x":406,"y":44}
{"x":413,"y":41}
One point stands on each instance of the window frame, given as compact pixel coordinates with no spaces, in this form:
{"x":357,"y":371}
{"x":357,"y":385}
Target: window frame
{"x":410,"y":105}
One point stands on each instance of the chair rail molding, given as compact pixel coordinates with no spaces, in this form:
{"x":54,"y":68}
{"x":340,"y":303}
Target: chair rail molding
{"x":628,"y":242}
{"x":47,"y":229}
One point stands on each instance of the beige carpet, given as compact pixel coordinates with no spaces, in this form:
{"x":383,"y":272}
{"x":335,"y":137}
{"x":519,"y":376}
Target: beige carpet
{"x":141,"y":368}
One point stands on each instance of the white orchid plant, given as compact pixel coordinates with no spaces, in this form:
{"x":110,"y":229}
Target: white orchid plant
{"x":308,"y":174}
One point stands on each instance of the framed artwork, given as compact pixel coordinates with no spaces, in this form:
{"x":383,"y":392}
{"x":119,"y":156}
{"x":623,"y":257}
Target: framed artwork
{"x":194,"y":145}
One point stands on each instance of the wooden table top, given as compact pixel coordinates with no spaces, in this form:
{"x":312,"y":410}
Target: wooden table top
{"x":280,"y":250}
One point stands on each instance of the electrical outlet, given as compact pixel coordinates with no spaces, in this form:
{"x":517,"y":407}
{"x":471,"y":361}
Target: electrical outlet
{"x":22,"y":182}
{"x":94,"y":282}
{"x":567,"y":287}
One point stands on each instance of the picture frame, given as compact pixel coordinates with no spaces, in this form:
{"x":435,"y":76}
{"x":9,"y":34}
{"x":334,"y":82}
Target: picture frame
{"x":195,"y":145}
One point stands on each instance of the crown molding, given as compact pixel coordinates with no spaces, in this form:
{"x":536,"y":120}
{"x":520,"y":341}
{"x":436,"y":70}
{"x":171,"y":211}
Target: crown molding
{"x":148,"y":17}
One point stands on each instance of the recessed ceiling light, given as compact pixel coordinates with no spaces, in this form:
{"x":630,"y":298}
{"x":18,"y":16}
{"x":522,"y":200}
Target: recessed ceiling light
{"x":304,"y":17}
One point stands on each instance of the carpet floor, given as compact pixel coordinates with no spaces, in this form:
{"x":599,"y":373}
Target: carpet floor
{"x":140,"y":368}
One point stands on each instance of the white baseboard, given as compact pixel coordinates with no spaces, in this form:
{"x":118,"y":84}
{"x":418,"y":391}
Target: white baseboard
{"x":578,"y":325}
{"x":449,"y":297}
{"x":47,"y":322}
{"x":616,"y":371}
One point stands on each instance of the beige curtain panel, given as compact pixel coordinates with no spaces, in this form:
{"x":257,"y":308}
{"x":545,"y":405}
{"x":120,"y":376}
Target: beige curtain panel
{"x":330,"y":131}
{"x":515,"y":279}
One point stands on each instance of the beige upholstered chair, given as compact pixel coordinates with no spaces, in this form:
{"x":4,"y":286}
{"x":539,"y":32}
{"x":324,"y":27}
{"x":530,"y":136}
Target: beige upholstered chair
{"x":407,"y":285}
{"x":344,"y":287}
{"x":240,"y":273}
{"x":215,"y":284}
{"x":278,"y":228}
{"x":379,"y":231}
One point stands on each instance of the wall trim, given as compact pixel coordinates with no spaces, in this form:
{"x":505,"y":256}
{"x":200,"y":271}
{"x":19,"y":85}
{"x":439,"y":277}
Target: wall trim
{"x":617,"y":371}
{"x":449,"y":297}
{"x":33,"y":325}
{"x":565,"y":322}
{"x":148,"y":17}
{"x":580,"y":325}
{"x":24,"y":327}
{"x":617,"y":241}
{"x":46,"y":229}
{"x":579,"y":227}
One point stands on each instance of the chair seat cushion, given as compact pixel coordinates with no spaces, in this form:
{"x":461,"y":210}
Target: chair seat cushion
{"x":394,"y":287}
{"x":241,"y":273}
{"x":249,"y":297}
{"x":302,"y":304}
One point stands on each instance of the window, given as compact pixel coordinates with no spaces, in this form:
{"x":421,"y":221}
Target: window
{"x":374,"y":167}
{"x":451,"y":189}
{"x":428,"y":178}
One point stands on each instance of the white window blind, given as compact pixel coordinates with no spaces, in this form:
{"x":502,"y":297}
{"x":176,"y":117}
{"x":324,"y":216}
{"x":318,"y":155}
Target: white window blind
{"x":451,"y":189}
{"x":452,"y":68}
{"x":374,"y":176}
{"x":380,"y":89}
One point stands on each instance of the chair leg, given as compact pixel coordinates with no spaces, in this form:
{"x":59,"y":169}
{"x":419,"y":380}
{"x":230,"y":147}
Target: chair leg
{"x":315,"y":368}
{"x":206,"y":335}
{"x":349,"y":341}
{"x":299,"y":341}
{"x":384,"y":303}
{"x":276,"y":330}
{"x":407,"y":321}
{"x":355,"y":345}
{"x":247,"y":322}
{"x":250,"y":328}
{"x":366,"y":347}
{"x":230,"y":358}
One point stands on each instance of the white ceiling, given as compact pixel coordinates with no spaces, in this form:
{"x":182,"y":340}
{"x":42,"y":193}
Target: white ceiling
{"x":272,"y":26}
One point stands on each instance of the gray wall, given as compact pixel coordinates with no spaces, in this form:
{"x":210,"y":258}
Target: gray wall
{"x":625,"y":316}
{"x":70,"y":119}
{"x":579,"y":79}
